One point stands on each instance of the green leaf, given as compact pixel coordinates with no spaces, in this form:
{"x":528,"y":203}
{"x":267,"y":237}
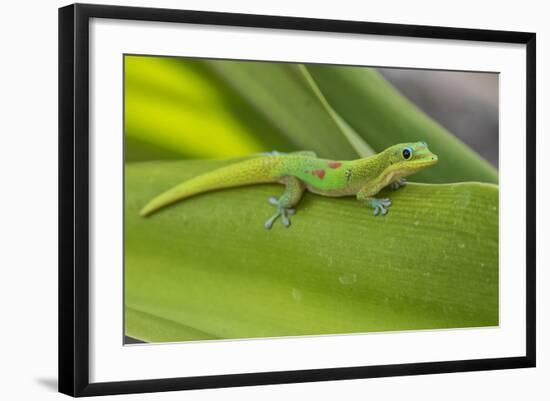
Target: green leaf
{"x":383,"y":117}
{"x":206,"y":268}
{"x":285,"y":95}
{"x":360,"y":146}
{"x":217,"y":109}
{"x":162,"y":330}
{"x":178,"y":108}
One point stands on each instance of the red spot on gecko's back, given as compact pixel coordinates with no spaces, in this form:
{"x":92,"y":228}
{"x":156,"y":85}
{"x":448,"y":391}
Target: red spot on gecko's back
{"x":334,"y":164}
{"x":319,"y":173}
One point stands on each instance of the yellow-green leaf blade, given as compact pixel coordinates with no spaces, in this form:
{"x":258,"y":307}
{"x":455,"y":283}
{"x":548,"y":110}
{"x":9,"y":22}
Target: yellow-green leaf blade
{"x":178,"y":108}
{"x":284,"y":96}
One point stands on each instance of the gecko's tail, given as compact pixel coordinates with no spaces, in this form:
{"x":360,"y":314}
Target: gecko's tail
{"x":254,"y":171}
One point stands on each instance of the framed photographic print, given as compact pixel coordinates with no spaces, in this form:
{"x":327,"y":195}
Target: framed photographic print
{"x":250,"y":199}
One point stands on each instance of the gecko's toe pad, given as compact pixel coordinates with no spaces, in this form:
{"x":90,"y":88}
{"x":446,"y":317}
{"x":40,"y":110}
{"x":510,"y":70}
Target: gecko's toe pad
{"x":380,"y":206}
{"x":281,"y":212}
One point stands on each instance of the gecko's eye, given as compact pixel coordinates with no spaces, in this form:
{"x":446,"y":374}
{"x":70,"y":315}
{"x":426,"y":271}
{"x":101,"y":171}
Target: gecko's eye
{"x":407,"y":153}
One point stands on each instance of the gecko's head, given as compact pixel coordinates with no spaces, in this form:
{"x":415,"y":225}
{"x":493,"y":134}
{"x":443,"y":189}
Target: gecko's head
{"x":408,"y":158}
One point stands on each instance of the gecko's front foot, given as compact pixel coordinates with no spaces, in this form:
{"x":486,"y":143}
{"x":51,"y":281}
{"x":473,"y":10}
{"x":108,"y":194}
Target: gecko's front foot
{"x":398,"y":184}
{"x":283,"y":212}
{"x":380,"y":206}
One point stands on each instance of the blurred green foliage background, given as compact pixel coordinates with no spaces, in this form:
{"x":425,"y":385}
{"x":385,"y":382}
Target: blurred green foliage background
{"x":206,"y":268}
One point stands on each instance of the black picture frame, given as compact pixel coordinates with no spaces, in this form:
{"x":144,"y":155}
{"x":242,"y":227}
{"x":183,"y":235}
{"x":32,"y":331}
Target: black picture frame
{"x":74,"y":198}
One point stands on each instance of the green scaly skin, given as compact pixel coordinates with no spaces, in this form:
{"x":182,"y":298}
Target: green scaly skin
{"x":299,"y":171}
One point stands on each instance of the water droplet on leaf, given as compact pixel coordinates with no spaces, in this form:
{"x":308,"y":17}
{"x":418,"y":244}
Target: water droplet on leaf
{"x":348,"y":278}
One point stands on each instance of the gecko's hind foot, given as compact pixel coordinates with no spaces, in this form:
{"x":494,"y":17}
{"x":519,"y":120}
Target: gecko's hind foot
{"x":398,"y":184}
{"x":380,"y":206}
{"x":282,"y":212}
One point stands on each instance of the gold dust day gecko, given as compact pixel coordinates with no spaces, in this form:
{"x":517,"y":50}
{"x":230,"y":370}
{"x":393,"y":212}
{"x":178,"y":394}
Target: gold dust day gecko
{"x":299,"y":171}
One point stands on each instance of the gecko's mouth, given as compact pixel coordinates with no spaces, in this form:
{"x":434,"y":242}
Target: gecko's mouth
{"x":426,"y":161}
